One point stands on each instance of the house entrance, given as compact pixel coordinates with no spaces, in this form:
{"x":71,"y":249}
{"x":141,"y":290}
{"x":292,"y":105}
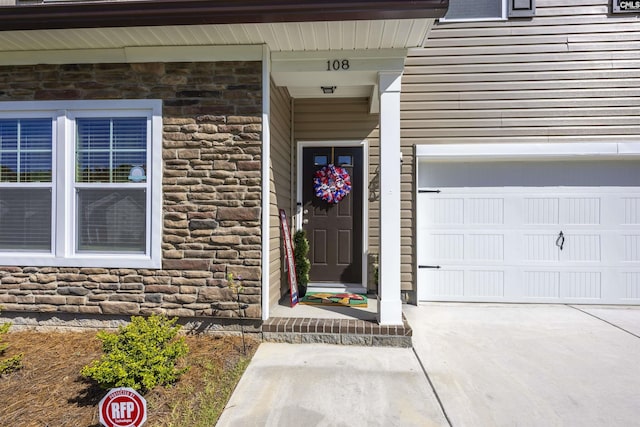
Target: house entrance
{"x":334,"y":230}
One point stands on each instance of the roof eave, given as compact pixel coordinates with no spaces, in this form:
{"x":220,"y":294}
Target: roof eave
{"x":197,"y":12}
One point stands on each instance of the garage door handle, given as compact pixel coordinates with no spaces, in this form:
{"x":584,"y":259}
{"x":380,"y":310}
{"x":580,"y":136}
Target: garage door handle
{"x":428,"y":266}
{"x":560,"y":240}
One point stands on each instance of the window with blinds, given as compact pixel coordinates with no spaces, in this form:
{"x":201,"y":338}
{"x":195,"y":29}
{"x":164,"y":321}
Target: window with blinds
{"x":111,"y":159}
{"x":111,"y":220}
{"x":109,"y":149}
{"x":25,"y":184}
{"x":25,"y":150}
{"x":78,"y":180}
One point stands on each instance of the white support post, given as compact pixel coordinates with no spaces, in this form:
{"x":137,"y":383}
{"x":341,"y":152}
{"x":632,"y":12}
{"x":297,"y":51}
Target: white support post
{"x":390,"y":305}
{"x":266,"y":173}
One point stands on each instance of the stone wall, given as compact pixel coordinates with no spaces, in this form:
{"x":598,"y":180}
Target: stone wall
{"x":212,"y":141}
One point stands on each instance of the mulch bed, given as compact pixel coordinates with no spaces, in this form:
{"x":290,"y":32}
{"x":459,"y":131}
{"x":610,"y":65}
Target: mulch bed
{"x":49,"y":391}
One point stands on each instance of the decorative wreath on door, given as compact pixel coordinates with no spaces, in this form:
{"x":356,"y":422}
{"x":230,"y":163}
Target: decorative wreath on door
{"x":332,"y":183}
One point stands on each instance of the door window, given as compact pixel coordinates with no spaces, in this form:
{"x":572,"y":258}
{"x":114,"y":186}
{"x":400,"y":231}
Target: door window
{"x":320,"y":160}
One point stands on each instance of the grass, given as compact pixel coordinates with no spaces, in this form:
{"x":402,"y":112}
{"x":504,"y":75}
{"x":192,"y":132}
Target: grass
{"x":49,"y":391}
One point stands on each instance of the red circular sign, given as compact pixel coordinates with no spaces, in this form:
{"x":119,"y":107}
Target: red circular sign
{"x":123,"y":407}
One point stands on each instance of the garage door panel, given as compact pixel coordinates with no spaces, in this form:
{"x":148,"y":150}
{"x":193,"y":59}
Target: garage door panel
{"x":445,"y":284}
{"x":542,"y":284}
{"x":631,"y":247}
{"x":540,"y":247}
{"x":631,"y":280}
{"x":441,"y":211}
{"x":448,"y":282}
{"x":581,"y":285}
{"x":631,"y":210}
{"x":582,"y":211}
{"x":542,"y":211}
{"x":612,"y":248}
{"x":484,"y":247}
{"x":443,"y":247}
{"x":483,"y":283}
{"x":484,"y":211}
{"x":581,"y":248}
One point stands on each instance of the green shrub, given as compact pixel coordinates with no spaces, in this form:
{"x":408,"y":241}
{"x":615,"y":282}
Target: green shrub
{"x":12,"y":363}
{"x":301,"y":259}
{"x":140,"y":355}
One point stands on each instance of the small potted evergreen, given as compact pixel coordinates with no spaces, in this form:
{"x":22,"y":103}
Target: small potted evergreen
{"x":301,"y":259}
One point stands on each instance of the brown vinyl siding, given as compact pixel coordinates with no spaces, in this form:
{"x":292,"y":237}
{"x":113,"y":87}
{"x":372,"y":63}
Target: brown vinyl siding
{"x":570,"y":74}
{"x":280,"y":188}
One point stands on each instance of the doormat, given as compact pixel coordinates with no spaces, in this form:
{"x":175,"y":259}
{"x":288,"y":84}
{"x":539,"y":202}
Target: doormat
{"x":335,"y":299}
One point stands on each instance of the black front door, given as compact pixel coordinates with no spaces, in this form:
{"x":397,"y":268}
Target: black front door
{"x":334,"y":230}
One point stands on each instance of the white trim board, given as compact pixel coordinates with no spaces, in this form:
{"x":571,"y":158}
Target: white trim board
{"x":135,"y":54}
{"x":479,"y":152}
{"x":266,"y":181}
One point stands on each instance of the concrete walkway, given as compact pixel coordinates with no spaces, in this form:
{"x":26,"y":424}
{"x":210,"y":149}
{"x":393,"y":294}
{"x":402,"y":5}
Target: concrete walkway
{"x":531,"y":365}
{"x":489,"y":364}
{"x":295,"y":385}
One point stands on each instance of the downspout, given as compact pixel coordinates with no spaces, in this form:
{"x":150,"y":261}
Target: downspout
{"x":266,"y":181}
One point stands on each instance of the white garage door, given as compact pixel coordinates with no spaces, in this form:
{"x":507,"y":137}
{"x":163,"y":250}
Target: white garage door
{"x":546,"y":231}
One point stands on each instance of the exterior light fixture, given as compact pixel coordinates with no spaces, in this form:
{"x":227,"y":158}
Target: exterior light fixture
{"x":328,"y":90}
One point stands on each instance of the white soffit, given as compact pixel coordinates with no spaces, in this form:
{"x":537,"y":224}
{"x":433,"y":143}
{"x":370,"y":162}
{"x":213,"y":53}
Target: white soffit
{"x":280,"y":37}
{"x":352,"y":73}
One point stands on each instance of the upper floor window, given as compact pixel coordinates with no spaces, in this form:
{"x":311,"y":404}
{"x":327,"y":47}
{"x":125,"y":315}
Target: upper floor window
{"x":475,"y":9}
{"x":488,"y":10}
{"x":78,"y":180}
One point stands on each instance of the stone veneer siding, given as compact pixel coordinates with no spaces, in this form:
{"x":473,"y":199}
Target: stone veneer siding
{"x":212,"y":141}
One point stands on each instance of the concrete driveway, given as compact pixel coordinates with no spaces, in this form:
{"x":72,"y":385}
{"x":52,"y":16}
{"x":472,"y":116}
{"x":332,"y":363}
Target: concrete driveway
{"x":531,"y":365}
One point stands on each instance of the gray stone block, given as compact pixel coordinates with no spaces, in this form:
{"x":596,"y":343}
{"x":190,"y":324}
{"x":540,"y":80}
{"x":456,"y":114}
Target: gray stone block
{"x":283,"y":337}
{"x":320,"y":338}
{"x":352,"y":339}
{"x":391,"y":341}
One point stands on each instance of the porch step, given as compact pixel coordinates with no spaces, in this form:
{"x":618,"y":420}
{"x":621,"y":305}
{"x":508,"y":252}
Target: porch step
{"x":336,"y":331}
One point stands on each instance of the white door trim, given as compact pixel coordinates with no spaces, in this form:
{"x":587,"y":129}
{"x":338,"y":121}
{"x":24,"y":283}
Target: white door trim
{"x":365,"y":201}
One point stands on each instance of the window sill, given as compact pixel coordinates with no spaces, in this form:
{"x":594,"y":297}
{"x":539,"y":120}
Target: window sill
{"x":84,"y":261}
{"x":463,"y":20}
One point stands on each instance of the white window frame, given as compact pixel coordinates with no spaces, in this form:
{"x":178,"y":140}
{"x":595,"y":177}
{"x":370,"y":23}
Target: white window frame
{"x":504,"y":17}
{"x":63,"y":247}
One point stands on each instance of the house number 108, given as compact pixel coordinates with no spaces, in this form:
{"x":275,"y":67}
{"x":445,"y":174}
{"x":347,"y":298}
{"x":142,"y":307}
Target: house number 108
{"x":337,"y":64}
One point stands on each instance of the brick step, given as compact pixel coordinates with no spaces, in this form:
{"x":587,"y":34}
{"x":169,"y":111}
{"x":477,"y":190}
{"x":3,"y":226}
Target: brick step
{"x":335,"y":331}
